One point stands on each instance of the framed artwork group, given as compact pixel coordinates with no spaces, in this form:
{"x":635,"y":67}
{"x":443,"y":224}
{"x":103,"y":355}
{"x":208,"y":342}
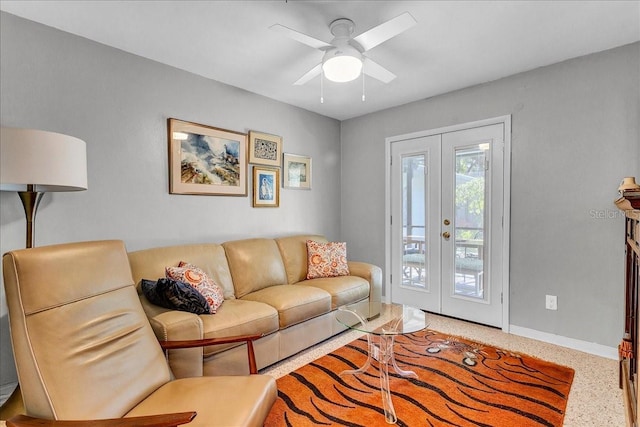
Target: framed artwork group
{"x":206,"y":160}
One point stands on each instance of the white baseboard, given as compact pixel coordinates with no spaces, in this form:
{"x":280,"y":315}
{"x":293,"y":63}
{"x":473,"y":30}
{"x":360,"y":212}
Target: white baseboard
{"x":585,"y":346}
{"x":572,"y":343}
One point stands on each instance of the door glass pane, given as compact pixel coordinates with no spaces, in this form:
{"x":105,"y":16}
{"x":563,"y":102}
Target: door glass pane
{"x":414,"y":254}
{"x":470,"y":236}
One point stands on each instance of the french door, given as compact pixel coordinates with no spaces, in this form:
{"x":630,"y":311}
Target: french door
{"x":446,"y":233}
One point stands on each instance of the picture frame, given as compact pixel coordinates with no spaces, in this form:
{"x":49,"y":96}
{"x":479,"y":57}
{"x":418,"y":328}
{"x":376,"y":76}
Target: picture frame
{"x":206,"y":160}
{"x":266,"y":187}
{"x":296,"y":171}
{"x":264,"y":149}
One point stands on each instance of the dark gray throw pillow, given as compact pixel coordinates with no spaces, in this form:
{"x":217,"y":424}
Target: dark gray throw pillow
{"x":175,"y":295}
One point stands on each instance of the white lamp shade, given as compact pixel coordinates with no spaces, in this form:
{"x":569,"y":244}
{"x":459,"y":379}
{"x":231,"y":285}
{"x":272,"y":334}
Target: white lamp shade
{"x":51,"y":161}
{"x":342,"y":65}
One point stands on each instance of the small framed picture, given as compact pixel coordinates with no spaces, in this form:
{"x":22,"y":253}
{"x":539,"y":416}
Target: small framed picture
{"x":206,"y":160}
{"x":266,"y":187}
{"x":296,"y":171}
{"x":264,"y":149}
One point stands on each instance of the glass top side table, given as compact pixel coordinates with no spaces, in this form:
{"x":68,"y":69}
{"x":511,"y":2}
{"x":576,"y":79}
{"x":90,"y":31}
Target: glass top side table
{"x":403,"y":320}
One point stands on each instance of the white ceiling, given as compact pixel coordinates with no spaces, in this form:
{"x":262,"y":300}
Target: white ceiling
{"x":455,"y":44}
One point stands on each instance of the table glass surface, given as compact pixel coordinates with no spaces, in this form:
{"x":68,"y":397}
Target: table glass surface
{"x":403,"y":319}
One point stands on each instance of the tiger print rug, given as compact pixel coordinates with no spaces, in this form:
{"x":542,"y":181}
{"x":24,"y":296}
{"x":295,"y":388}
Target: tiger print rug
{"x":460,"y":383}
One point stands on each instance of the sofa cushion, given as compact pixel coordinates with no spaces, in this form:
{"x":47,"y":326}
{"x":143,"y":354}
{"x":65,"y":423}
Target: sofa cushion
{"x":293,"y":250}
{"x":255,"y":264}
{"x":295,"y":303}
{"x":176,"y":295}
{"x":210,"y":257}
{"x":343,"y":289}
{"x":326,"y":259}
{"x":238,"y":317}
{"x":197,"y":278}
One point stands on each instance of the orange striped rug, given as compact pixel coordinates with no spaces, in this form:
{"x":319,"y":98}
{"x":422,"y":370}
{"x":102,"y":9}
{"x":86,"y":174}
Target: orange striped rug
{"x":460,"y":383}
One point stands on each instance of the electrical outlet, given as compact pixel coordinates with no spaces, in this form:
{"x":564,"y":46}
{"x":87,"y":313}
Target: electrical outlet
{"x":551,"y":302}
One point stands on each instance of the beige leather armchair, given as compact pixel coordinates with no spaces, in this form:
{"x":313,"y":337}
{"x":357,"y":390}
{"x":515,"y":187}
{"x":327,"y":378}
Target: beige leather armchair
{"x":84,"y":349}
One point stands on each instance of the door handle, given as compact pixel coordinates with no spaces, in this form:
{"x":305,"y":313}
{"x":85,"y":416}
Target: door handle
{"x":446,"y":235}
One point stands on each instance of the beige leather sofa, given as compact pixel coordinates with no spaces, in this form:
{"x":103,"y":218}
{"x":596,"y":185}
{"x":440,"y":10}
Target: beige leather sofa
{"x":266,"y":292}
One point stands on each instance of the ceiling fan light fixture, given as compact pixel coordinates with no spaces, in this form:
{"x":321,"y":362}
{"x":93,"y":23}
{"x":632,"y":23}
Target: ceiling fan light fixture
{"x":342,"y":65}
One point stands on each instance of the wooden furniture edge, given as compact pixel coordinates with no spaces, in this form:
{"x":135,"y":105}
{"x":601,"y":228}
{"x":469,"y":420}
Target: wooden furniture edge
{"x":627,"y":392}
{"x":629,"y":203}
{"x":164,"y":420}
{"x":253,"y":369}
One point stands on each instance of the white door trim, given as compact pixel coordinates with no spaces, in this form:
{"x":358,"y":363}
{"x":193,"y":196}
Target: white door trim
{"x":506,"y":121}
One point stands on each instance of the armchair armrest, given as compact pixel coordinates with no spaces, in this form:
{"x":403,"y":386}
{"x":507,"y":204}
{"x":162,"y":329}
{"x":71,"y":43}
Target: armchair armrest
{"x":164,"y":420}
{"x":172,"y":345}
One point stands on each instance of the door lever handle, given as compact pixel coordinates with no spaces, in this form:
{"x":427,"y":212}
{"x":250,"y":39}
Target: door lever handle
{"x":446,"y":235}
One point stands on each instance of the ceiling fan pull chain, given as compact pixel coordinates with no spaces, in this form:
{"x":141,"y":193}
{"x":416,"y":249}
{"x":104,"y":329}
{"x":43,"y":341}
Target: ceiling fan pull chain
{"x":321,"y":87}
{"x":363,"y":87}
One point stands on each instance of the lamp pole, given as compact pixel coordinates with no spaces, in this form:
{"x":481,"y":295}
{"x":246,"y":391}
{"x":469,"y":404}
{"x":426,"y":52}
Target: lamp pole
{"x":30,"y":201}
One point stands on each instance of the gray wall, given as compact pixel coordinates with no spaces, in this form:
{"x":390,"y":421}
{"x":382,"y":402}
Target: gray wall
{"x":118,"y":103}
{"x":575,"y":134}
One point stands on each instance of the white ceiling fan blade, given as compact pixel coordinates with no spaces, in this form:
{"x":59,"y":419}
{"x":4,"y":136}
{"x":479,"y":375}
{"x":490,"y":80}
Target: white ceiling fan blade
{"x":385,"y":31}
{"x":298,"y":36}
{"x":315,"y":71}
{"x":377,"y":71}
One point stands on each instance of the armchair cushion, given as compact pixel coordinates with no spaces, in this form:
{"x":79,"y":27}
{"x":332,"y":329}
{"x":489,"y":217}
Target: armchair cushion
{"x":175,"y":295}
{"x":197,"y":278}
{"x":238,"y":401}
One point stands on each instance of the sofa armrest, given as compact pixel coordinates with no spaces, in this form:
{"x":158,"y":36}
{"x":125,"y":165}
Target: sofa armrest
{"x":174,"y":325}
{"x":164,"y":420}
{"x":372,"y":274}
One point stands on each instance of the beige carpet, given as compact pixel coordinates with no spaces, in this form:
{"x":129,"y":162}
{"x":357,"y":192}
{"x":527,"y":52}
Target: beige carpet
{"x":595,"y":399}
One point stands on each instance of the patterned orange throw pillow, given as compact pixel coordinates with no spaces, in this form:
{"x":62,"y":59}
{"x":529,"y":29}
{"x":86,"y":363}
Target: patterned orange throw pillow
{"x":199,"y":280}
{"x":326,"y":259}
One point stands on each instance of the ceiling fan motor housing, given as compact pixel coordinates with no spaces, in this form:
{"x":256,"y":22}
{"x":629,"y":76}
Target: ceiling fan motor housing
{"x":343,"y":62}
{"x":342,"y":27}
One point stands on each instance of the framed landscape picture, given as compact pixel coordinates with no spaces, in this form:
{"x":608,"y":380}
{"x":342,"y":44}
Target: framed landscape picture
{"x":266,"y":187}
{"x":296,"y":171}
{"x":264,"y":149}
{"x":206,"y":160}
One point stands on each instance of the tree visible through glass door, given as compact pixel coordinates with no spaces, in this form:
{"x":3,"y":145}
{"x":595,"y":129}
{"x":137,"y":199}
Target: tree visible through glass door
{"x":471,"y":169}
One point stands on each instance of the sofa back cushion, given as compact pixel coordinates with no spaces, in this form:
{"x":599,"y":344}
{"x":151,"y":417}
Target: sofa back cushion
{"x":255,"y":264}
{"x":210,"y":257}
{"x":293,"y":250}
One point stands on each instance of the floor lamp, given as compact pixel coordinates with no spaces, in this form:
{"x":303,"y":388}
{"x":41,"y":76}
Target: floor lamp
{"x":33,"y":162}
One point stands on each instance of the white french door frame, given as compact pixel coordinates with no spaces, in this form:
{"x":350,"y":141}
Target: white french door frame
{"x":506,"y":200}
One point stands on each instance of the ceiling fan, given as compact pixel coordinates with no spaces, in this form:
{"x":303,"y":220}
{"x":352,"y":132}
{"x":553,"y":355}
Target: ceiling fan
{"x":344,"y":58}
